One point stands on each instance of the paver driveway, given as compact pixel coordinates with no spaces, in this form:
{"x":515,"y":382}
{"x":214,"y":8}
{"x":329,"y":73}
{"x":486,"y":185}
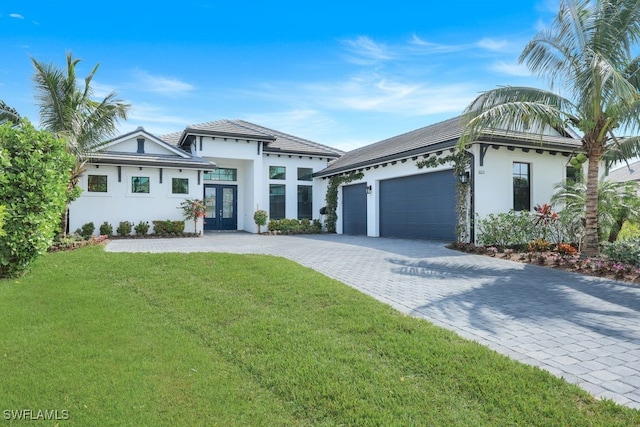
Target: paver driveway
{"x":584,"y":329}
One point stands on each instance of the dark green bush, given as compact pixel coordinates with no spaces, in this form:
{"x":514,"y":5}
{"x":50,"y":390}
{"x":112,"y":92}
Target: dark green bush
{"x":124,"y":228}
{"x":142,"y":228}
{"x":87,"y":230}
{"x":168,"y":227}
{"x":295,"y":226}
{"x":106,"y":229}
{"x":35,"y":169}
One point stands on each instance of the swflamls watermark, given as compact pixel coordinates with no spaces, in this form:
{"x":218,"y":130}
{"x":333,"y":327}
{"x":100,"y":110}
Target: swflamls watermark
{"x":36,"y":414}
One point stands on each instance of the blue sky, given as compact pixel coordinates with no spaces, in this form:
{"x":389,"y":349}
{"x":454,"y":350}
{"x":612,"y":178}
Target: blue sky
{"x":344,"y":74}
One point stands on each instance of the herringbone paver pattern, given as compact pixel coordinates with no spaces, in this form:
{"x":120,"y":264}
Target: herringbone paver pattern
{"x":584,"y":329}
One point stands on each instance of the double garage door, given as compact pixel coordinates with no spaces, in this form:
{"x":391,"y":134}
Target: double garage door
{"x":413,"y":207}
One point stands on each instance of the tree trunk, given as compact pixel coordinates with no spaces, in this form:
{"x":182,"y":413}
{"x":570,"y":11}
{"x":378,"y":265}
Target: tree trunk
{"x":64,"y":222}
{"x":591,"y":246}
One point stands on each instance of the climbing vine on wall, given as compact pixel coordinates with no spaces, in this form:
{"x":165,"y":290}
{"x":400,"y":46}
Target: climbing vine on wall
{"x":332,"y":197}
{"x":461,"y":162}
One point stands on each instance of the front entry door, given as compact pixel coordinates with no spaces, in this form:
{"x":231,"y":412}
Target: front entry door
{"x":221,"y":203}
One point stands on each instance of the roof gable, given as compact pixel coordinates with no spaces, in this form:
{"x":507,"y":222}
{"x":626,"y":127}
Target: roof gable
{"x":128,"y":143}
{"x":124,"y":150}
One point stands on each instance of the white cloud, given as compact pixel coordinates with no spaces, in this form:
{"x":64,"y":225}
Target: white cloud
{"x":430,"y":47}
{"x":101,"y":90}
{"x":169,"y":86}
{"x":366,"y":51}
{"x":16,"y":16}
{"x":494,"y":45}
{"x":386,"y":94}
{"x":511,"y":69}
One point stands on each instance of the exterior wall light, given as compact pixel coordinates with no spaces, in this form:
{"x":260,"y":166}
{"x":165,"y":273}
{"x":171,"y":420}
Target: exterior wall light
{"x":464,"y":177}
{"x":369,"y":189}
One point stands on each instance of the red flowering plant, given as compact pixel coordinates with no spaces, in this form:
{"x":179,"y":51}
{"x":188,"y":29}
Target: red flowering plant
{"x":545,"y":215}
{"x":193,"y":209}
{"x":546,"y":219}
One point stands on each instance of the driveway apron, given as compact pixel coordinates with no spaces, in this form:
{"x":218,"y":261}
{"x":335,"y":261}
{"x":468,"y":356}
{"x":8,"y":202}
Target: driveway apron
{"x":584,"y":329}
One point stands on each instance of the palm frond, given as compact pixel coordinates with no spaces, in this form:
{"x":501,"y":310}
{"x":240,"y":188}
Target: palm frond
{"x":8,"y":114}
{"x":515,"y":109}
{"x":620,"y":150}
{"x":70,"y":112}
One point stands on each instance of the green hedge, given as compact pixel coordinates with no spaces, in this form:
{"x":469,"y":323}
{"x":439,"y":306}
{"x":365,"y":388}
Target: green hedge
{"x":295,"y":226}
{"x":168,"y":227}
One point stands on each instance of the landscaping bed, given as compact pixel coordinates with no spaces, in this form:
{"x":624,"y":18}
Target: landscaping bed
{"x":573,"y":262}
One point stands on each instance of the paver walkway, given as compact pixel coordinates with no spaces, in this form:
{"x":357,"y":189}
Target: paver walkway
{"x":584,"y":329}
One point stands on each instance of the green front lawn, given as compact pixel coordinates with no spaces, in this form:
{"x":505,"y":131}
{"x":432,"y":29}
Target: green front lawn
{"x":218,"y":339}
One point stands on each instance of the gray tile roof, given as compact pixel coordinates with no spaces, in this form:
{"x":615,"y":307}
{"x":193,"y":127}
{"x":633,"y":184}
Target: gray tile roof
{"x":276,"y":141}
{"x":623,"y":174}
{"x":172,"y":138}
{"x":439,"y":136}
{"x":229,"y":128}
{"x":285,"y":142}
{"x":152,"y":160}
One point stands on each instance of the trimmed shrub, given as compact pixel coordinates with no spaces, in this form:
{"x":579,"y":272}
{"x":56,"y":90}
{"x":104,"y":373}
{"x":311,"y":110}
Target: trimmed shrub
{"x":124,"y":228}
{"x":168,"y":227}
{"x":142,"y":228}
{"x":106,"y":229}
{"x":87,"y":230}
{"x":295,"y":226}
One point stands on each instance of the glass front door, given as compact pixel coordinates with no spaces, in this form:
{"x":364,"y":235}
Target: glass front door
{"x":221,"y":207}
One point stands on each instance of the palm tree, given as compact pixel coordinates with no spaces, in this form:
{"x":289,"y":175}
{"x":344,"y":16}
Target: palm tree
{"x":587,"y":52}
{"x":617,"y":203}
{"x":69,"y":111}
{"x":8,"y":114}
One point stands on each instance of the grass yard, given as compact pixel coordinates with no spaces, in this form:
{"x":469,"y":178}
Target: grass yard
{"x":214,"y":339}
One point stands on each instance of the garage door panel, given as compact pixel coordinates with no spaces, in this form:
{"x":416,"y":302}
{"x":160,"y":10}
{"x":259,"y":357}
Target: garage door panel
{"x":419,"y":206}
{"x":354,"y":209}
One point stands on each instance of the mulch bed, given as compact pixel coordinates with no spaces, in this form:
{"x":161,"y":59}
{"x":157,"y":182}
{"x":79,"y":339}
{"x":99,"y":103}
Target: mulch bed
{"x":597,"y":267}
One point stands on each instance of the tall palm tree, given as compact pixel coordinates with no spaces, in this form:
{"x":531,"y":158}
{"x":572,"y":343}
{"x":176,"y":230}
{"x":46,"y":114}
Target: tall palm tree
{"x":587,"y":52}
{"x":69,"y":111}
{"x":8,"y":114}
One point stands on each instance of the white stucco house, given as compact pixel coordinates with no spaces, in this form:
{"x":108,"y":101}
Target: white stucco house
{"x":238,"y":167}
{"x":235,"y":166}
{"x":514,"y":171}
